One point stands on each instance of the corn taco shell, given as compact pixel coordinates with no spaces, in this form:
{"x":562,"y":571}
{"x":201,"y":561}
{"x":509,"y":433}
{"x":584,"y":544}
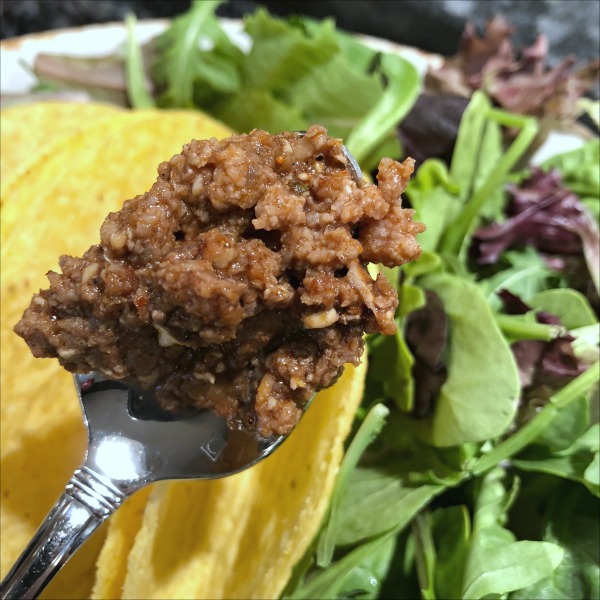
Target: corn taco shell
{"x":63,"y":201}
{"x":232,"y":538}
{"x":29,"y":131}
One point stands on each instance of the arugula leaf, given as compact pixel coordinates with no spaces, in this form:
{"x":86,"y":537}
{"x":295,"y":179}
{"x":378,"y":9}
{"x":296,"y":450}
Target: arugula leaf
{"x":471,"y":137}
{"x":497,"y":563}
{"x":297,"y":71}
{"x":181,"y":64}
{"x":367,"y":432}
{"x":479,"y":398}
{"x":137,"y":92}
{"x":400,"y":94}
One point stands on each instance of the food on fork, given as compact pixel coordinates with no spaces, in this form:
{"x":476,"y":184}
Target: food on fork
{"x":238,"y":282}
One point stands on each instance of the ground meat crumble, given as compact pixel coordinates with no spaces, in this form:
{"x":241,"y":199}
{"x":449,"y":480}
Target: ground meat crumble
{"x":238,"y":282}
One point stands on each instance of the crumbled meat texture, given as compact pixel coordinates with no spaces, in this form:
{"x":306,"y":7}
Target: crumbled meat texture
{"x":238,"y":282}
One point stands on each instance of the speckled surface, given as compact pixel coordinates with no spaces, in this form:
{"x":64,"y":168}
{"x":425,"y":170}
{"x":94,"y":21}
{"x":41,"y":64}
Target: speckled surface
{"x":434,"y":25}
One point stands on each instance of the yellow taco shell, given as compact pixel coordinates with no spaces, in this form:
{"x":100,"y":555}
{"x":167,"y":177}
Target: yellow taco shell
{"x":237,"y":537}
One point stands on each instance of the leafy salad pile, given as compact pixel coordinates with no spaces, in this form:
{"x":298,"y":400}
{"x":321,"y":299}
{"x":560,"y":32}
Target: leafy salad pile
{"x":473,"y":468}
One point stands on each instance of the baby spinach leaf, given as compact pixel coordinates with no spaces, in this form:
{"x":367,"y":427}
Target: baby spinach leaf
{"x":497,"y":563}
{"x":572,"y":523}
{"x":568,"y":425}
{"x":380,"y":498}
{"x":365,"y":580}
{"x":327,"y":583}
{"x":571,"y":306}
{"x":578,"y":462}
{"x":391,"y":364}
{"x":478,"y":400}
{"x":579,"y":169}
{"x":451,"y":530}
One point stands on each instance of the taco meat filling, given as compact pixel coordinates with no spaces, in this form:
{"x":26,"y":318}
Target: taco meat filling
{"x":238,"y":282}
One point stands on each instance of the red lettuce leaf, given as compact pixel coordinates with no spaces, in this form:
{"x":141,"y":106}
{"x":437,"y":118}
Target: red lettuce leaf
{"x":520,"y":82}
{"x":544,"y":214}
{"x":552,"y":363}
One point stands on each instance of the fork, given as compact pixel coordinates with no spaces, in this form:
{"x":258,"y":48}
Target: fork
{"x":132,"y":443}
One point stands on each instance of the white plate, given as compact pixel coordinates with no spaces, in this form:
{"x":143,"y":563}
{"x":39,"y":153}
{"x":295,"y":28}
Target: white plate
{"x":109,"y":38}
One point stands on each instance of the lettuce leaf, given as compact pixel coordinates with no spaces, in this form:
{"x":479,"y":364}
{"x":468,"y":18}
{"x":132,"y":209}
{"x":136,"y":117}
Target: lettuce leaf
{"x":296,"y":72}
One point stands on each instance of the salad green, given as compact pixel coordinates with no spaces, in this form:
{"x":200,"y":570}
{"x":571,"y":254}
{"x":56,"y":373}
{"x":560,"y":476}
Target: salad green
{"x":473,"y":469}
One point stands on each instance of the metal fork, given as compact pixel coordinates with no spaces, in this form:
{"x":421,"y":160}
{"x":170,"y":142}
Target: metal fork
{"x":131,"y":443}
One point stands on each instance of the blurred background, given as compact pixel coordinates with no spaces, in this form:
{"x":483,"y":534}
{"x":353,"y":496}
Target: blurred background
{"x":433,"y":25}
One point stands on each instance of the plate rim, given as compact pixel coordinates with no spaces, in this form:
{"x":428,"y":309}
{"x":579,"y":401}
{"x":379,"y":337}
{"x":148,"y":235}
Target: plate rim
{"x":12,"y":48}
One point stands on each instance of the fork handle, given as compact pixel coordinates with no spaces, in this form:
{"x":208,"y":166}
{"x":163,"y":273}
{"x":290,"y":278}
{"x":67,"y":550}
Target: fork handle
{"x":87,"y":501}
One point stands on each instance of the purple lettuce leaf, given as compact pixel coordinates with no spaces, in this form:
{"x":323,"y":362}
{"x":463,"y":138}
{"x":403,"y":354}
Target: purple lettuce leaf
{"x":542,"y":213}
{"x":540,"y":364}
{"x":431,"y":127}
{"x":426,"y":336}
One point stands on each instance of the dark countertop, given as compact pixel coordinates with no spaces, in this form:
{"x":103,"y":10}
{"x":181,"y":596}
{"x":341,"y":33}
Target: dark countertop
{"x":433,"y":25}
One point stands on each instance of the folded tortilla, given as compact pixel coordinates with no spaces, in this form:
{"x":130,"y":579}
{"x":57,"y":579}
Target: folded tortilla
{"x":237,"y":537}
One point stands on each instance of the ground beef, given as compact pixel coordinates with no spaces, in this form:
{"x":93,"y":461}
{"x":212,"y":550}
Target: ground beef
{"x":238,"y":282}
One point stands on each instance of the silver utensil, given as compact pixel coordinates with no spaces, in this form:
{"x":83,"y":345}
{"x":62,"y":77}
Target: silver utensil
{"x":131,"y":443}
